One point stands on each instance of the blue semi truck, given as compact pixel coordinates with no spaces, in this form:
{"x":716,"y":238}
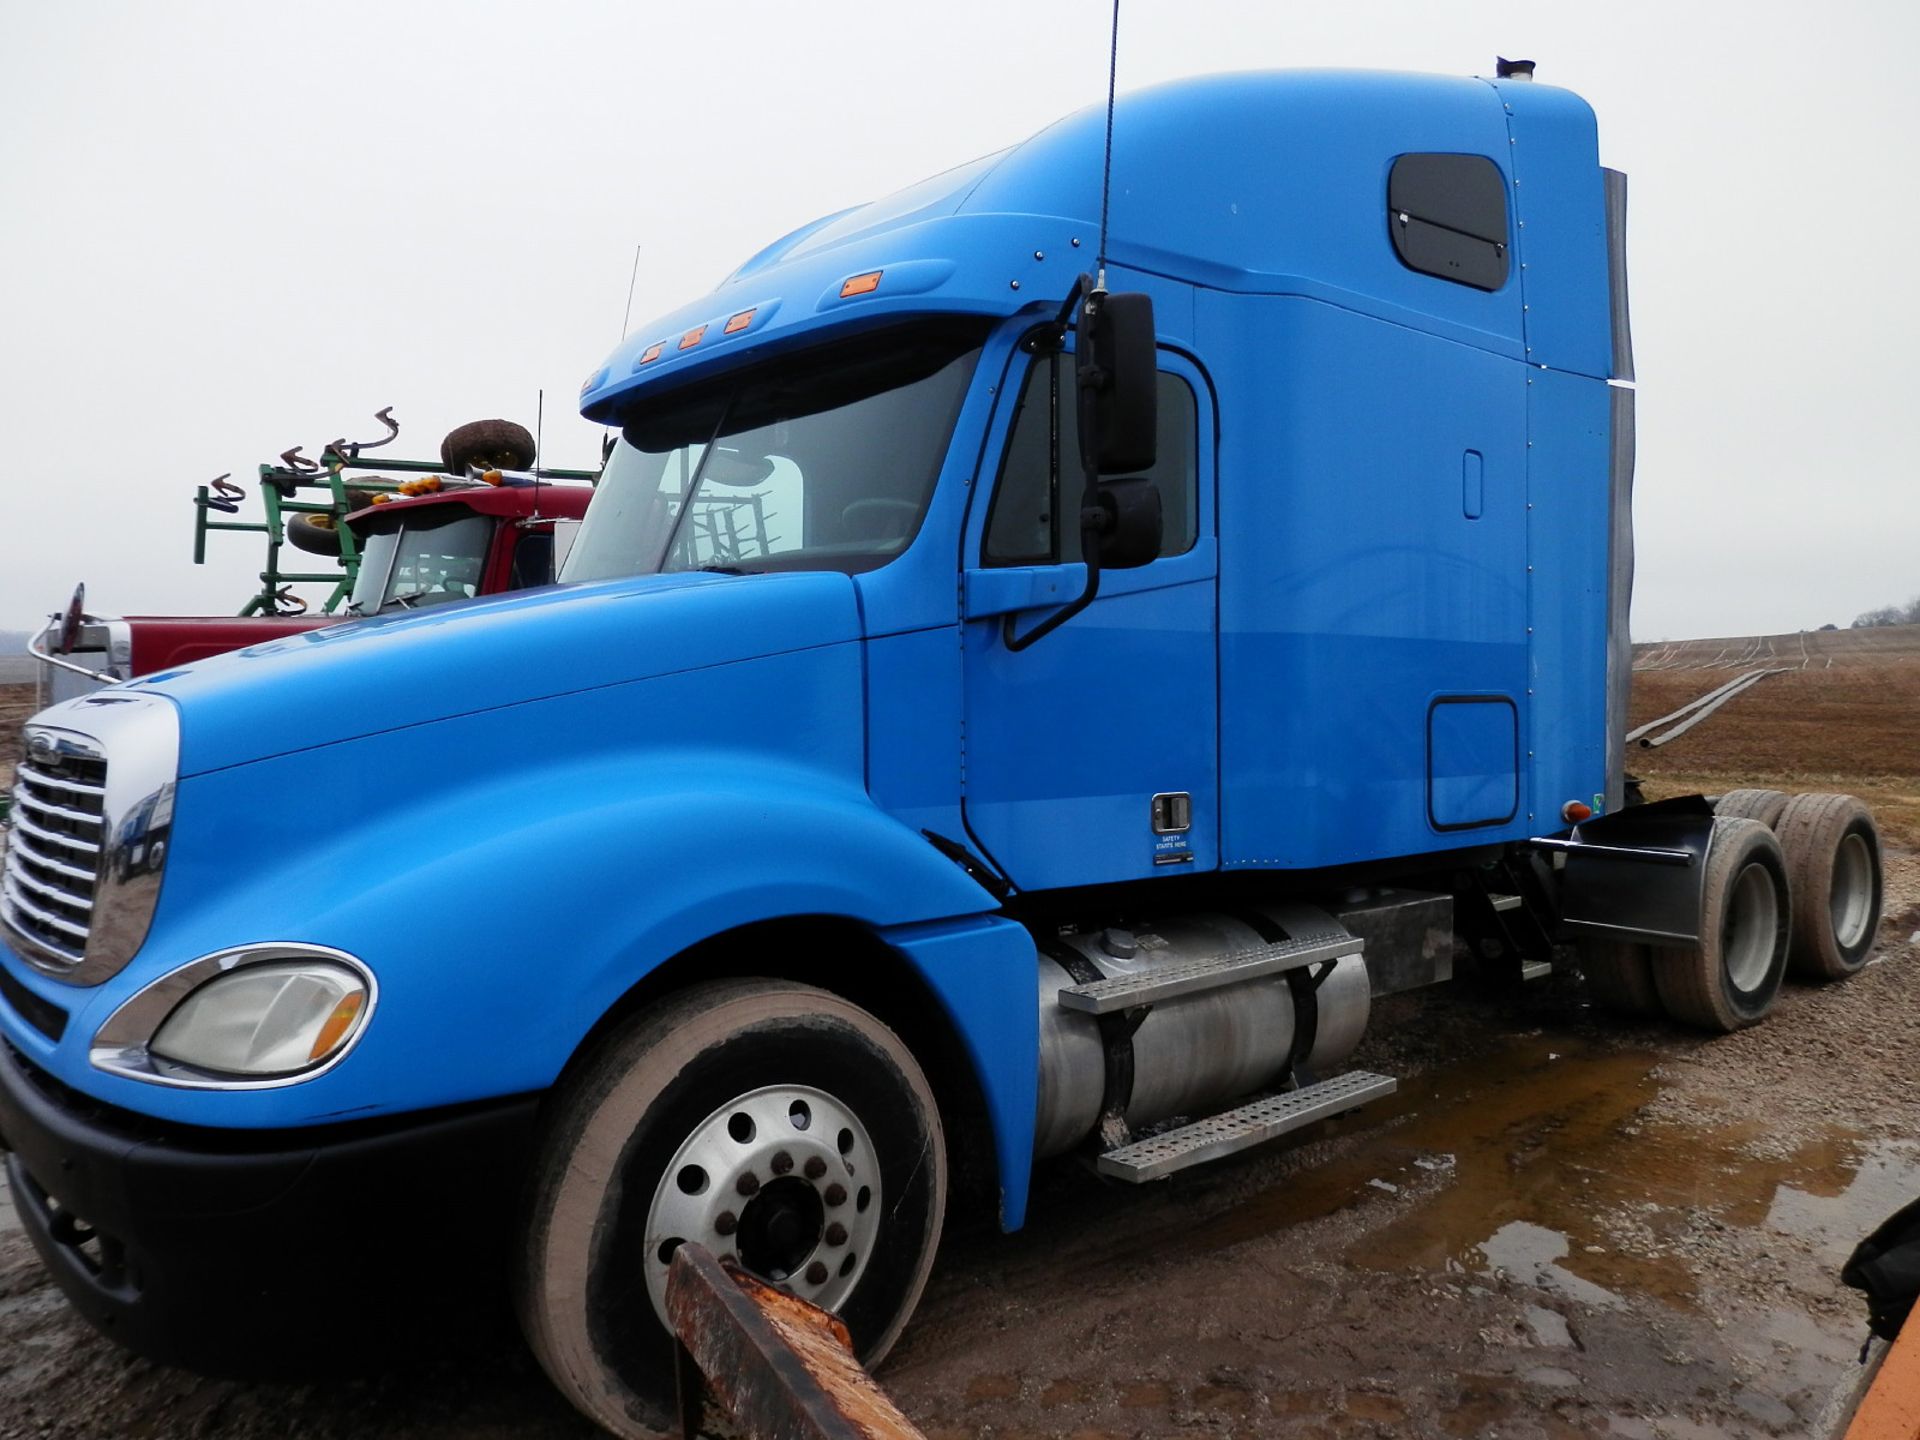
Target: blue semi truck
{"x":1003,"y":701}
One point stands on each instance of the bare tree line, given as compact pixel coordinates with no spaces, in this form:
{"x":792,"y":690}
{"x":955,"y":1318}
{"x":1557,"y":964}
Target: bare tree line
{"x":1907,"y":614}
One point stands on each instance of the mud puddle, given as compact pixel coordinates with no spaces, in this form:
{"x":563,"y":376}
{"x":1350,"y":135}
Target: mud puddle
{"x":1534,"y":1163}
{"x":1704,"y":1246}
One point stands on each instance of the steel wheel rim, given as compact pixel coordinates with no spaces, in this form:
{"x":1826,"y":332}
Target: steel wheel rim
{"x":1850,"y":903}
{"x":1750,"y":931}
{"x":783,"y":1180}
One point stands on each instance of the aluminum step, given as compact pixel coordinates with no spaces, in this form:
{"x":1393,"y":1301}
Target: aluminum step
{"x":1101,"y":997}
{"x":1240,"y":1129}
{"x":1536,"y":969}
{"x":1506,"y":902}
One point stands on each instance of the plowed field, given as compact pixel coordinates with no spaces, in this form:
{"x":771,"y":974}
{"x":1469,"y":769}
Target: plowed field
{"x":1844,"y":714}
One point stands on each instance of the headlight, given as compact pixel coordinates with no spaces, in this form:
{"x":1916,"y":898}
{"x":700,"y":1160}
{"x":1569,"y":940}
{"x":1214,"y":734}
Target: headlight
{"x":262,"y":1015}
{"x":265,"y":1019}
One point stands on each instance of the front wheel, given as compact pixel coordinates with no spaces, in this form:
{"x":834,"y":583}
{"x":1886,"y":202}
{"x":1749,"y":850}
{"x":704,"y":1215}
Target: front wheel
{"x":771,"y":1122}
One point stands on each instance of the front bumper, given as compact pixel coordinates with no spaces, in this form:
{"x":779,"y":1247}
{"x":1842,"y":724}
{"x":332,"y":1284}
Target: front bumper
{"x":237,"y":1252}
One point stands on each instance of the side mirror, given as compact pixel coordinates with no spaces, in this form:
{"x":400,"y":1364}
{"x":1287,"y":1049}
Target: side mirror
{"x":1118,"y":382}
{"x":1130,"y":522}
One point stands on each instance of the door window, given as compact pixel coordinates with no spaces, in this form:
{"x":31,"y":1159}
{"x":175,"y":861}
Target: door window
{"x":1041,"y":482}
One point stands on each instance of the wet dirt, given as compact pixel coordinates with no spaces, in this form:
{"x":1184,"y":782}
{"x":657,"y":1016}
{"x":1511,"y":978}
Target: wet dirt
{"x":1570,"y":1231}
{"x":1525,"y":1160}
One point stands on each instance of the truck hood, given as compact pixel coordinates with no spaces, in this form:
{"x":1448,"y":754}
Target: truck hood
{"x":387,"y":672}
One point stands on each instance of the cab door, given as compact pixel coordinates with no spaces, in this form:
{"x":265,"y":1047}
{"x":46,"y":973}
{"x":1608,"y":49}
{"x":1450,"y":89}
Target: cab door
{"x":1093,"y":756}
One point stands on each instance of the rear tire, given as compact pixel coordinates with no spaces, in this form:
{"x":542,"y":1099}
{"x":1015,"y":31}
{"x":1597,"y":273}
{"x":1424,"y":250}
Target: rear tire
{"x":1833,"y":871}
{"x":1620,"y":976}
{"x":803,"y":1106}
{"x":1732,"y":977}
{"x":1762,"y":805}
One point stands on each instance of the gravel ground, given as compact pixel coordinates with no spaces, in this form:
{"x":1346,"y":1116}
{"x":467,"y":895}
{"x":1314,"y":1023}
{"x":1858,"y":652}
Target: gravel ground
{"x":1561,"y":1226}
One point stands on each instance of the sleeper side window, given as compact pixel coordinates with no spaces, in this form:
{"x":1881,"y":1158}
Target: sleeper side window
{"x":1448,"y":218}
{"x":1036,"y":504}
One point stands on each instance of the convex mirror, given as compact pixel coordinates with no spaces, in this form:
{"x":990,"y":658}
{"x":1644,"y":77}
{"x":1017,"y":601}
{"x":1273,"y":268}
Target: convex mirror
{"x":1130,"y":522}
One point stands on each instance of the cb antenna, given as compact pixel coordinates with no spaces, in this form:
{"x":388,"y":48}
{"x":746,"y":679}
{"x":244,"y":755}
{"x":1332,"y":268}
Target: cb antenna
{"x":1106,"y":164}
{"x":627,"y":319}
{"x":539,"y":428}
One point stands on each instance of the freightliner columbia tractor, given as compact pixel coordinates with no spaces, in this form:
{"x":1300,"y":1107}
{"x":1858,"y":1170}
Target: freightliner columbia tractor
{"x":1135,"y":666}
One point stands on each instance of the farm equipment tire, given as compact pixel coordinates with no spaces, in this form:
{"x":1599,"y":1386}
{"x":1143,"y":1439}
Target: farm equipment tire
{"x":1833,"y":870}
{"x":774,"y":1123}
{"x":489,"y":444}
{"x":315,"y":534}
{"x":1762,"y":805}
{"x":1731,"y":978}
{"x":1620,"y":976}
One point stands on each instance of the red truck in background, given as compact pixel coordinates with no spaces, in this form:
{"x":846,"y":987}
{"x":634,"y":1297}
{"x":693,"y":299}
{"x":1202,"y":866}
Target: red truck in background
{"x":481,"y":521}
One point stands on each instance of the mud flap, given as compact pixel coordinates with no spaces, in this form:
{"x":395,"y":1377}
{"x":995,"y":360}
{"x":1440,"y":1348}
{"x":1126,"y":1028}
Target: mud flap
{"x":1636,"y":874}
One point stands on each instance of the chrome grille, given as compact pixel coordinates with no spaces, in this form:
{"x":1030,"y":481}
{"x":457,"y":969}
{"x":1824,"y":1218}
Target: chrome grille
{"x":87,"y":841}
{"x":52,"y":871}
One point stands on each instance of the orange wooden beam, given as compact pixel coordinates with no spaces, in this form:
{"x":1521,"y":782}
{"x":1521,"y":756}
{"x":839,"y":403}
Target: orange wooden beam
{"x":1891,"y":1410}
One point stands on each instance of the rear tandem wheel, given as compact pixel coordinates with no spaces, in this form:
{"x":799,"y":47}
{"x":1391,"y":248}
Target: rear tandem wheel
{"x":1731,"y":978}
{"x":1833,"y":869}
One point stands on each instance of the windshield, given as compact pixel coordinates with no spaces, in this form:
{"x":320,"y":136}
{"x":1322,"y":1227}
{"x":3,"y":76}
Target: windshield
{"x":820,"y":461}
{"x":421,"y":557}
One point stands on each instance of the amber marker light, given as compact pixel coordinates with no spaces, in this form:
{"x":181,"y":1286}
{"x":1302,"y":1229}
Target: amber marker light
{"x":692,"y":337}
{"x":1574,"y":811}
{"x":337,"y":1027}
{"x":738,"y":323}
{"x":862,"y":284}
{"x":650,"y":354}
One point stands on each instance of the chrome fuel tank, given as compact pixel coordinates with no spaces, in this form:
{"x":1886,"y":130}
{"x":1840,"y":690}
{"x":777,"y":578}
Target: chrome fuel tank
{"x":1195,"y":1052}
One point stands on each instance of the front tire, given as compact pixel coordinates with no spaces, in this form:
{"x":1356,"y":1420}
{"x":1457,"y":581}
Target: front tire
{"x":773,"y":1118}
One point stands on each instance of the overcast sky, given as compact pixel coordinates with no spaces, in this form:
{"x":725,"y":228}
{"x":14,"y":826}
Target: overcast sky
{"x":227,"y":228}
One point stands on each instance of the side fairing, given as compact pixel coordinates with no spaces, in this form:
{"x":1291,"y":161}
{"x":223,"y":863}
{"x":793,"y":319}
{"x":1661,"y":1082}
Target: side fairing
{"x":1373,"y":534}
{"x":1569,"y":501}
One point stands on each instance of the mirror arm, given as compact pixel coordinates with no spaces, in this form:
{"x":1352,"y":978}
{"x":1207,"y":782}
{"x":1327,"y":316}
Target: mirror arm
{"x":1095,"y":521}
{"x":1092,"y":527}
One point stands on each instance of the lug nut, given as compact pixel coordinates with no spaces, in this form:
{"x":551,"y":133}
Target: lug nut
{"x":724,"y":1223}
{"x":747,"y":1184}
{"x":836,"y":1234}
{"x":816,"y":1274}
{"x":782,"y":1162}
{"x":815,"y":1167}
{"x":836,"y":1194}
